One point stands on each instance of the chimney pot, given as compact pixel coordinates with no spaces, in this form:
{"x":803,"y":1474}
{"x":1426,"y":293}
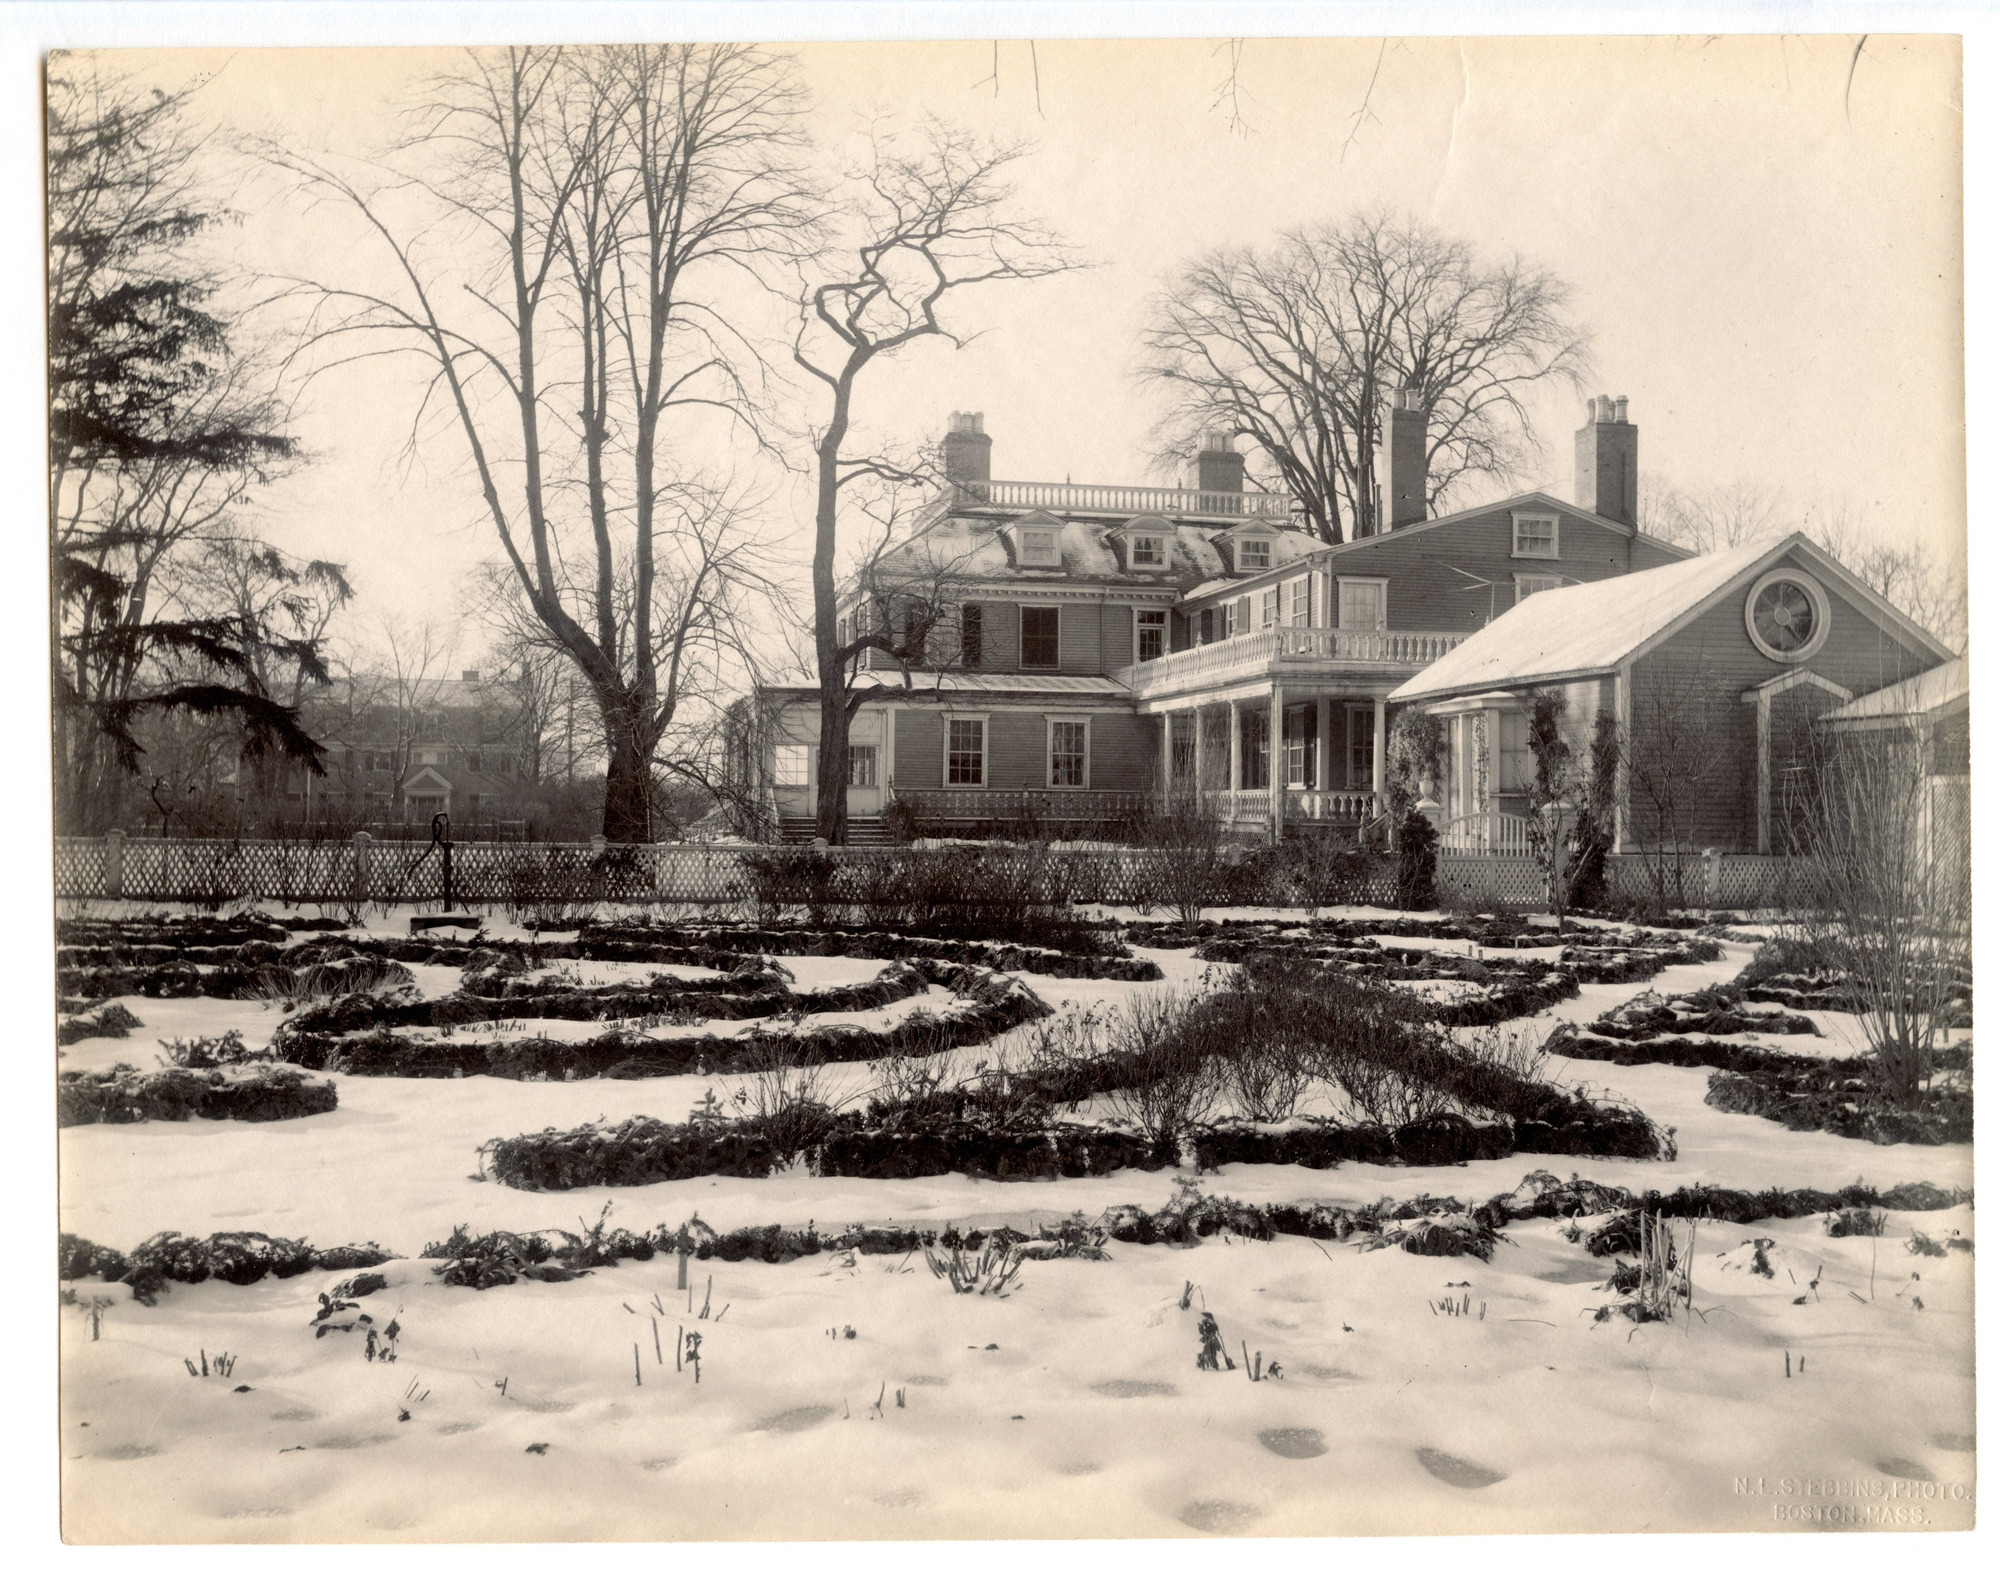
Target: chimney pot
{"x":968,"y":451}
{"x":1402,"y":465}
{"x":1218,"y":468}
{"x":1607,"y":462}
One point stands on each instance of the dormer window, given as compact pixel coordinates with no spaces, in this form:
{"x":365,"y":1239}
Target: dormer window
{"x":1039,"y":546}
{"x":1148,"y":551}
{"x":1253,"y":553}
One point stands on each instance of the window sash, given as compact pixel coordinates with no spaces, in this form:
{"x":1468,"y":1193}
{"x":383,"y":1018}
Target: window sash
{"x":1069,"y":752}
{"x":1254,"y":554}
{"x":860,"y":764}
{"x":1038,"y":547}
{"x":1152,"y":635}
{"x":1364,"y":605}
{"x":1268,"y":616}
{"x":1149,"y":551}
{"x":965,"y":753}
{"x":1361,"y":749}
{"x":1041,"y":638}
{"x":791,"y":765}
{"x":1535,"y":536}
{"x":1302,"y":601}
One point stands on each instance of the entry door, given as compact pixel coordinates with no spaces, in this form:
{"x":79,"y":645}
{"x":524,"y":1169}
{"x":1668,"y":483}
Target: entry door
{"x":864,"y":778}
{"x":1360,"y":747}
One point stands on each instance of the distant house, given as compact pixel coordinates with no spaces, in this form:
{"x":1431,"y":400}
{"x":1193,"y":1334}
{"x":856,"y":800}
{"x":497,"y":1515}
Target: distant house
{"x":399,"y":752}
{"x":1724,"y":667}
{"x":1086,"y":647}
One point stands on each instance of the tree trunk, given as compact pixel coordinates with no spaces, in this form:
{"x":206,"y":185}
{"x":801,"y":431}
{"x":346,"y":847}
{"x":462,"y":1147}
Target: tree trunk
{"x":830,"y":807}
{"x":628,"y":783}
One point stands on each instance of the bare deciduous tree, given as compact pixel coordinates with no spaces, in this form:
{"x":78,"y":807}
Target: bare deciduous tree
{"x":927,"y":221}
{"x":571,"y":235}
{"x":1297,"y":347}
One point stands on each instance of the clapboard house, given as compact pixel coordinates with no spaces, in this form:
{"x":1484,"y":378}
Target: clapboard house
{"x":1085,"y":646}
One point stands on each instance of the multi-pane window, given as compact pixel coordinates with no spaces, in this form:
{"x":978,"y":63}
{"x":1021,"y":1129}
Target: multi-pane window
{"x":1242,"y":615}
{"x":1517,"y":762}
{"x":1207,"y":630}
{"x":1267,"y":609}
{"x":1526,"y":586}
{"x":1253,"y":553}
{"x":1069,"y":752}
{"x":1041,"y":630}
{"x":1364,"y":605}
{"x":1038,"y":546}
{"x":1152,"y":633}
{"x":860,"y":765}
{"x":965,"y":753}
{"x":1535,"y":537}
{"x":1360,"y":749}
{"x":1149,"y":553}
{"x":971,"y":635}
{"x":1301,"y":595}
{"x":789,"y":766}
{"x":1295,"y":746}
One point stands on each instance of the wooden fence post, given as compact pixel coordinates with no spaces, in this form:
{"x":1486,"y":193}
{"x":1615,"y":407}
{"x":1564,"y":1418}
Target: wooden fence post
{"x":114,"y":863}
{"x":362,"y":843}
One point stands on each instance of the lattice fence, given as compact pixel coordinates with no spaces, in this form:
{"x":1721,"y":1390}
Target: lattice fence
{"x":527,"y":874}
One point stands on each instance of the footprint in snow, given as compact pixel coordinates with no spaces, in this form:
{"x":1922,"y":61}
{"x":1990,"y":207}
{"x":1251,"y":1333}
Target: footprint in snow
{"x":127,"y":1453}
{"x":1218,"y":1516}
{"x":1133,"y":1388}
{"x":796,"y":1420}
{"x":1456,"y":1470}
{"x":1294,"y":1444}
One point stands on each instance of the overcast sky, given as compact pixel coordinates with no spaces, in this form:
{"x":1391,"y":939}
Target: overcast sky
{"x":1767,"y":251}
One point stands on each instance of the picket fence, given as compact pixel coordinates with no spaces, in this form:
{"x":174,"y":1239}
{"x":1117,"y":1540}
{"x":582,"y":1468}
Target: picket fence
{"x":363,"y":871}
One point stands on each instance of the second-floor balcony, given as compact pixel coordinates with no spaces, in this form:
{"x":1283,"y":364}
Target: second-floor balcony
{"x":1085,"y":497}
{"x":1292,"y":652}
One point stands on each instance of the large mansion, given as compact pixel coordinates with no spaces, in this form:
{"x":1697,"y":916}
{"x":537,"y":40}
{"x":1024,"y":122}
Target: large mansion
{"x":1085,"y":647}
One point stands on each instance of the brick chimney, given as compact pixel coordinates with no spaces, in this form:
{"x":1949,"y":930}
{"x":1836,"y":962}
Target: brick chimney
{"x":1607,"y":462}
{"x":1402,"y":465}
{"x":1218,"y":468}
{"x":968,"y":451}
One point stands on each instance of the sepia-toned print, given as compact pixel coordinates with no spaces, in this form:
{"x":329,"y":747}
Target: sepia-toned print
{"x":1025,"y":790}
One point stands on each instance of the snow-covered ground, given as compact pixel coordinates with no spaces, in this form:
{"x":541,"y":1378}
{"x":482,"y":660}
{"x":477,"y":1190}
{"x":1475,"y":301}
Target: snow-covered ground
{"x":1070,"y":1407}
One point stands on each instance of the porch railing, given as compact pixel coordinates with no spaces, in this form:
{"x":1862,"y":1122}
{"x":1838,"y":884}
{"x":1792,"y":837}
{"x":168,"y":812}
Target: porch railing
{"x":1490,"y":835}
{"x":1343,"y":807}
{"x":1274,"y":507}
{"x":1393,"y":654}
{"x":997,"y":804}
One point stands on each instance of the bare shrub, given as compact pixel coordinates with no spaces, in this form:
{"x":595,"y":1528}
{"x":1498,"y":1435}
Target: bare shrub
{"x":1188,"y":868}
{"x":1518,"y":1052}
{"x":1268,"y":1078}
{"x":1167,"y":1078}
{"x":788,"y":1098}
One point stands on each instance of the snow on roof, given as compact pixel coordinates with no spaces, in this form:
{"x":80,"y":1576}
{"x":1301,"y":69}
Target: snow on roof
{"x":1928,"y":693}
{"x":1586,"y":629}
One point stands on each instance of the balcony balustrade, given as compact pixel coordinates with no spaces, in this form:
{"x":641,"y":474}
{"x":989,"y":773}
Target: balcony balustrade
{"x":1091,"y":498}
{"x":1285,"y":650}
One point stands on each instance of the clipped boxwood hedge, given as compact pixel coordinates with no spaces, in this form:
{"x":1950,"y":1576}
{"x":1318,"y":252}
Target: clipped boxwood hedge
{"x":127,"y":1095}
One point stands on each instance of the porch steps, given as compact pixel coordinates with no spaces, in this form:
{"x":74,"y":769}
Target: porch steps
{"x":863,"y":830}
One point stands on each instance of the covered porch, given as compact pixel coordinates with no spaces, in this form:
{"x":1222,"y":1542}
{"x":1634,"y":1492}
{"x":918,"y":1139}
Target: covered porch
{"x":1288,"y":755}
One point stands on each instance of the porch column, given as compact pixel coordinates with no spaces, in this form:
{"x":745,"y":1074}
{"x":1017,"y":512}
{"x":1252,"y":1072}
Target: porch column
{"x":1323,"y":723}
{"x":1274,"y":759}
{"x":1381,"y":750}
{"x":1200,"y":752}
{"x":1235,"y":747}
{"x":1166,"y":754}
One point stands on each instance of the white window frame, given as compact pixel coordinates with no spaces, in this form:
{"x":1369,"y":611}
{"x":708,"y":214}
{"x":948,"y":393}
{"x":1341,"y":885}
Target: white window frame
{"x":985,"y":752}
{"x":1822,"y":614}
{"x":1268,"y":609}
{"x":804,"y":752}
{"x":1538,"y":516}
{"x":1295,"y":714}
{"x":1021,"y":639}
{"x":1050,"y":722}
{"x":1298,"y":602}
{"x":1253,"y":553}
{"x":1501,"y":753}
{"x":1353,"y":744}
{"x":1154,"y":542}
{"x":874,"y":763}
{"x":1528,"y":586}
{"x":1139,"y":625}
{"x":1030,"y":557}
{"x":1357,"y":583}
